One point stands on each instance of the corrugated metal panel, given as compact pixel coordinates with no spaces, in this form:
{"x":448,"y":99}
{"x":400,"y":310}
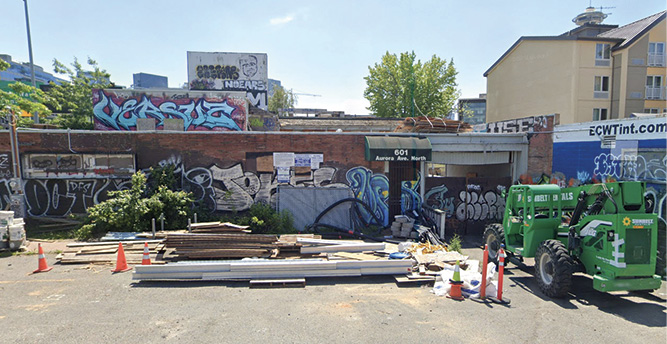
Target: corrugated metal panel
{"x":470,"y":158}
{"x":306,"y":203}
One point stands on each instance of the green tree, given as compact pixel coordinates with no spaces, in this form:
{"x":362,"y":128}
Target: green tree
{"x":281,"y":99}
{"x":404,"y":86}
{"x":74,"y":99}
{"x":22,"y":97}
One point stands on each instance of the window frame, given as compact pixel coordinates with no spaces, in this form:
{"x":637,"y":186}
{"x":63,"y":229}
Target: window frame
{"x":603,"y":49}
{"x":599,"y":114}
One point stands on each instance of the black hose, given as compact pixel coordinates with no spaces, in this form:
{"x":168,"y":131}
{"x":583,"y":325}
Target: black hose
{"x":353,"y":233}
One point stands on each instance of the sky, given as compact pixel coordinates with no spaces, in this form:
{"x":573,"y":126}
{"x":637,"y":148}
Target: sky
{"x":314,"y":47}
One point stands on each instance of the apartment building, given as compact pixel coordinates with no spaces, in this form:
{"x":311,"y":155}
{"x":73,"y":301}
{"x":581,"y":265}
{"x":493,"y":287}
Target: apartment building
{"x":593,"y":72}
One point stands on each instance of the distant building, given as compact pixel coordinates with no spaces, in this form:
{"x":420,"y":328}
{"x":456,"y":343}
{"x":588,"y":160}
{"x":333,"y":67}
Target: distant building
{"x":145,"y":80}
{"x":20,"y":72}
{"x":473,"y":110}
{"x":272,"y":84}
{"x":594,"y":72}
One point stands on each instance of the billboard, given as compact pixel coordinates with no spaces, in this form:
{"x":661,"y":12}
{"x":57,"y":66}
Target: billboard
{"x":246,"y":72}
{"x":120,"y":109}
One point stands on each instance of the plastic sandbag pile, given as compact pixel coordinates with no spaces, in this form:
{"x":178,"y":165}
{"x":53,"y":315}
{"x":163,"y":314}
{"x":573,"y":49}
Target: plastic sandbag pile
{"x":471,"y":280}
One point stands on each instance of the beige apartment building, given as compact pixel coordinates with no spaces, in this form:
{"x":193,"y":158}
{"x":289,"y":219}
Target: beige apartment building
{"x":593,"y":72}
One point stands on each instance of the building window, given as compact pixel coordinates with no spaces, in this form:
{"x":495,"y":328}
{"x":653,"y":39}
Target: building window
{"x":656,"y":54}
{"x":654,"y":88}
{"x":602,"y":54}
{"x":601,"y":87}
{"x":599,"y":114}
{"x":652,"y":110}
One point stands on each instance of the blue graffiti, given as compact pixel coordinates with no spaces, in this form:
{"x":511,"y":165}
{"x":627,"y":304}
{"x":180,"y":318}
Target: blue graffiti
{"x":410,"y":198}
{"x":437,"y":195}
{"x":196,"y":113}
{"x":372,"y":189}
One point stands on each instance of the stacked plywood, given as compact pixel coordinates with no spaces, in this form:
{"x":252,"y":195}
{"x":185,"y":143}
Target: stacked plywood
{"x":220,"y":245}
{"x":432,"y":125}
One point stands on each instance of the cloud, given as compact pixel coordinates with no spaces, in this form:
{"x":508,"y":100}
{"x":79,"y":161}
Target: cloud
{"x":281,"y":21}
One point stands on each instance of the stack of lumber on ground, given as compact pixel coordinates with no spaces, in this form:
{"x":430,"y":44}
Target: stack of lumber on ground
{"x":218,"y":227}
{"x":262,"y":269}
{"x":220,"y":245}
{"x":107,"y":252}
{"x":432,"y":125}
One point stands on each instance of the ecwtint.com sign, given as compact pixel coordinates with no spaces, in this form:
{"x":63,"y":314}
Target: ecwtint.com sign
{"x":246,"y":72}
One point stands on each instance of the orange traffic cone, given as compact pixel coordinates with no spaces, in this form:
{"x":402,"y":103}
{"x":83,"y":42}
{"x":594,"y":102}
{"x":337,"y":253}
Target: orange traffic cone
{"x":42,"y":266}
{"x":456,"y":283}
{"x":146,"y":260}
{"x":121,"y":264}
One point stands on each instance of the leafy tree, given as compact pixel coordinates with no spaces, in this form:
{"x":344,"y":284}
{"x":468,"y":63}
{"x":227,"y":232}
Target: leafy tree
{"x":281,"y":99}
{"x":75,"y":98}
{"x":23,"y":97}
{"x":403,"y":87}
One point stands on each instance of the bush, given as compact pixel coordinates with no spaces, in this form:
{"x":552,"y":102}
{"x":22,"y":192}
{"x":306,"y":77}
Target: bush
{"x":132,"y":210}
{"x":262,"y":218}
{"x":455,"y":243}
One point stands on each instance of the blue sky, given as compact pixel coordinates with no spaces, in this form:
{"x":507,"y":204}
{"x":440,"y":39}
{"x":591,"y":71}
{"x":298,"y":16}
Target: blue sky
{"x":316,"y":47}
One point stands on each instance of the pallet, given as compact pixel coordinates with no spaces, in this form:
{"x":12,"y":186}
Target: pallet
{"x":285,"y":283}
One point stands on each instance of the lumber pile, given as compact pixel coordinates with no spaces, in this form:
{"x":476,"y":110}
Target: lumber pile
{"x":220,"y":245}
{"x":218,"y":227}
{"x":432,"y":125}
{"x":107,"y":252}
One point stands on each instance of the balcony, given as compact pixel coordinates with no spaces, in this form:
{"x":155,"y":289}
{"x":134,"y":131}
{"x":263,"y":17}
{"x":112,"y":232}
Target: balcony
{"x":655,"y":93}
{"x":656,"y":60}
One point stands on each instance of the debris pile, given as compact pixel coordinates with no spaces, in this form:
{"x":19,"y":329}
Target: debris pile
{"x":432,"y":125}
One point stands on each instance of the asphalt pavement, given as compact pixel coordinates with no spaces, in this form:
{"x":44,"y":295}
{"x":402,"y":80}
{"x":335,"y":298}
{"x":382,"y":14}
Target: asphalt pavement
{"x":87,"y":303}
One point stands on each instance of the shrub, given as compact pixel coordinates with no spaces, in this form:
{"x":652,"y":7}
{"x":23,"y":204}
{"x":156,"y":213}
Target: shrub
{"x":132,"y":210}
{"x":455,"y":243}
{"x":262,"y":218}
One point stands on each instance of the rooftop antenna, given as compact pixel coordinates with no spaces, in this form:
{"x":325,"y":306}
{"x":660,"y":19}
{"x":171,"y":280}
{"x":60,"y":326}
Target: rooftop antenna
{"x":591,"y":16}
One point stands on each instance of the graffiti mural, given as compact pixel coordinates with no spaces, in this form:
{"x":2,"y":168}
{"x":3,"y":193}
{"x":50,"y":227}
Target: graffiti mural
{"x":233,"y":189}
{"x":520,"y":125}
{"x":372,"y":189}
{"x":230,"y":72}
{"x":199,"y":111}
{"x":5,"y":166}
{"x":62,"y":197}
{"x":469,"y":203}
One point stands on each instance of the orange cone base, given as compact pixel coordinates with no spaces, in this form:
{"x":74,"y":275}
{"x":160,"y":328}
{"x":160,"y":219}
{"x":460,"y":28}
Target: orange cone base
{"x":455,"y":291}
{"x":43,"y":270}
{"x":122,"y":270}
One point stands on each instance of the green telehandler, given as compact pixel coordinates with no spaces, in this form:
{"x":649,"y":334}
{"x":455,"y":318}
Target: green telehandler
{"x":602,"y":230}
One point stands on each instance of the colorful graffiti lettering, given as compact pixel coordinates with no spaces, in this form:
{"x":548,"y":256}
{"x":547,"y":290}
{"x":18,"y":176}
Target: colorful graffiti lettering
{"x":372,"y":189}
{"x":113,"y":112}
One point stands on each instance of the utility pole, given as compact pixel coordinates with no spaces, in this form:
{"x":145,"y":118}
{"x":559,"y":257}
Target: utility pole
{"x":32,"y":63}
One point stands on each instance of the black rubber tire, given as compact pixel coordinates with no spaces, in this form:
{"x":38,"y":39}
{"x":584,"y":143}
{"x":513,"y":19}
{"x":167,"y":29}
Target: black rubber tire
{"x":553,"y":268}
{"x":494,"y":235}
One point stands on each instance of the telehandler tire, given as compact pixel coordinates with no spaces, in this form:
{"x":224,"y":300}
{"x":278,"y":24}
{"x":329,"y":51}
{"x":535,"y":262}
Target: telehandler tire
{"x":553,"y":268}
{"x":494,"y":235}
